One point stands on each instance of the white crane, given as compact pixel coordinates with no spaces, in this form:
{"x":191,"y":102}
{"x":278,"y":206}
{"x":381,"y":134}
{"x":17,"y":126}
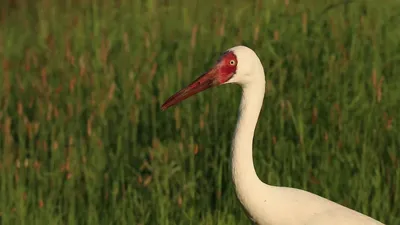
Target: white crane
{"x":265,"y":204}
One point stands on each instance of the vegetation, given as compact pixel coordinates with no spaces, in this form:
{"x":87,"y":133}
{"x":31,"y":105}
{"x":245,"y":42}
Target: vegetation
{"x":83,"y":139}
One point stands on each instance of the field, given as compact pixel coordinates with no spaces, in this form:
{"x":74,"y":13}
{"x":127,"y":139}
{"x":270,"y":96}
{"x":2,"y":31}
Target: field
{"x":84,"y":141}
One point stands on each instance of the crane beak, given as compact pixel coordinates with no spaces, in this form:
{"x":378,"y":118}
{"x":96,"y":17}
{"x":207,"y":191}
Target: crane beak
{"x":206,"y":81}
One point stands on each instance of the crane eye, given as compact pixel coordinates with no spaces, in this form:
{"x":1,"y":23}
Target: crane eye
{"x":232,"y":62}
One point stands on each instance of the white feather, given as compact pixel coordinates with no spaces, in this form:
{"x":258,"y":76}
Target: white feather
{"x":266,"y":204}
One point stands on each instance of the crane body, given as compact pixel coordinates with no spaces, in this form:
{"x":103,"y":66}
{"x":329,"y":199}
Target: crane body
{"x":265,"y":204}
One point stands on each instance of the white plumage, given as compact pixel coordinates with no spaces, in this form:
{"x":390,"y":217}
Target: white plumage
{"x":265,"y":204}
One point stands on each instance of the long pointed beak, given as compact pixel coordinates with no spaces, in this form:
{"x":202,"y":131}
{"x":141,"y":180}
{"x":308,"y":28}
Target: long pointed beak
{"x":202,"y":83}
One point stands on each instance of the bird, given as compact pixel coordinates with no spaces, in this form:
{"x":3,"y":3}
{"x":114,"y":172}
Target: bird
{"x":264,"y":204}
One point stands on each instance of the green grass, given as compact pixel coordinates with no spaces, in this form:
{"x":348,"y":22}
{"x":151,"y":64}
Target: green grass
{"x":83,"y":139}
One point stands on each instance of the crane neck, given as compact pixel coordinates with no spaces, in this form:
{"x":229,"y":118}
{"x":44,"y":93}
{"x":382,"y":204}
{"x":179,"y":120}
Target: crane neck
{"x":243,"y":171}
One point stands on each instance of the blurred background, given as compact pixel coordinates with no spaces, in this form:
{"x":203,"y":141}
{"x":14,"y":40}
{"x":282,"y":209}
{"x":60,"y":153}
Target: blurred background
{"x":83,"y":139}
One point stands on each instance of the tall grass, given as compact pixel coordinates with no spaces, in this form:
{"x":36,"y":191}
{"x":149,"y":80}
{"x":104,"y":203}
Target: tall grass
{"x":83,"y":139}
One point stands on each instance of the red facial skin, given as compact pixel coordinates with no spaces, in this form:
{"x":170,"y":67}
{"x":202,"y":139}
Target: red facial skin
{"x":226,"y":70}
{"x":219,"y":74}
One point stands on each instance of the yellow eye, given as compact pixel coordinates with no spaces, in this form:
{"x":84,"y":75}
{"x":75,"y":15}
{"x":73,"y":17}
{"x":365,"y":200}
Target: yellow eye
{"x":232,"y":62}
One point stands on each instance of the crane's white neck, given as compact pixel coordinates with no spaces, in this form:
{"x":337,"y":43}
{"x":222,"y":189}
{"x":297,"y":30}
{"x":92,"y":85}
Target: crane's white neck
{"x":243,"y":171}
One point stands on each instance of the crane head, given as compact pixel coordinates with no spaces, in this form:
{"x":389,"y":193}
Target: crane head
{"x":236,"y":65}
